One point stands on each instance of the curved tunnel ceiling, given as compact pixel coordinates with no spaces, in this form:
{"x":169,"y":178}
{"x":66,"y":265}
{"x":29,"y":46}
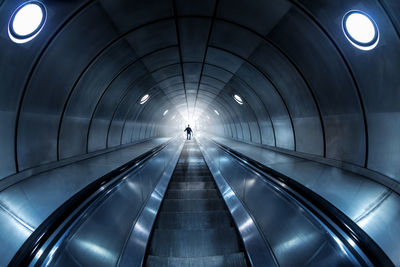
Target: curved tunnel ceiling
{"x":75,"y":89}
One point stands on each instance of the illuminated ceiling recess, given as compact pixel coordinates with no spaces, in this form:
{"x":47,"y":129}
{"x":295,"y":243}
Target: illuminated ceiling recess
{"x":216,"y":112}
{"x":165,"y":112}
{"x":238,"y":99}
{"x":27,"y":21}
{"x":144,"y":99}
{"x":360,"y":30}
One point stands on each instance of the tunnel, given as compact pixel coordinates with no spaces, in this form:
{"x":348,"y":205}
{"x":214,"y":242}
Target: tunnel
{"x":294,"y":157}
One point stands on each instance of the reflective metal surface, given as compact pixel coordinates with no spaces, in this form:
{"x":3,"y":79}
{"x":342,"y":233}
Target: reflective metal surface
{"x":371,"y":205}
{"x":295,"y":236}
{"x":27,"y":204}
{"x":134,"y":249}
{"x":121,"y":210}
{"x":257,"y":248}
{"x":74,"y":90}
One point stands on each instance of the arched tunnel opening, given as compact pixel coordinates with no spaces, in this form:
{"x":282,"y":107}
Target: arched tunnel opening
{"x":294,"y":107}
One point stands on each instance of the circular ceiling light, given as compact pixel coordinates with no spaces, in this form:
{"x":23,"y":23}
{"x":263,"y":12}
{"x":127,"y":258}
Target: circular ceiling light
{"x":238,"y":99}
{"x":216,"y":112}
{"x":361,"y":30}
{"x":27,"y":21}
{"x":165,"y":112}
{"x":144,"y":99}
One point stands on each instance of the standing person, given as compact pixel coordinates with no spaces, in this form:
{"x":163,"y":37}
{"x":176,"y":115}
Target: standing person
{"x":189,"y":132}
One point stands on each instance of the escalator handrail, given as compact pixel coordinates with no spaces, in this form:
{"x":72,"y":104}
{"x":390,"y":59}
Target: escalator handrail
{"x":45,"y":230}
{"x":369,"y":247}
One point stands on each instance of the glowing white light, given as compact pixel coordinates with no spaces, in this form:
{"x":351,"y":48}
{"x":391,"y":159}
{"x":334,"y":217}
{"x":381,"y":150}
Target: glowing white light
{"x":27,"y":21}
{"x":238,"y":99}
{"x":360,"y":30}
{"x":173,"y":117}
{"x":216,"y":112}
{"x":165,"y":112}
{"x":144,"y":99}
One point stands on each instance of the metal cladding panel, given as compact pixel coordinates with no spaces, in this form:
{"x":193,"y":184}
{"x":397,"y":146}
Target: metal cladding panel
{"x":295,"y":237}
{"x":376,"y":73}
{"x":109,"y":102}
{"x":217,"y":71}
{"x":192,"y":74}
{"x":92,"y":243}
{"x":74,"y":127}
{"x":262,"y":16}
{"x":273,"y":102}
{"x":15,"y":68}
{"x":127,"y":15}
{"x":193,"y":36}
{"x":230,"y":38}
{"x":116,"y":213}
{"x":161,"y":58}
{"x":392,"y":7}
{"x":154,"y":36}
{"x":194,"y":7}
{"x":382,"y":225}
{"x":167,"y":72}
{"x":223,"y":59}
{"x":129,"y":103}
{"x":50,"y":86}
{"x":340,"y":106}
{"x":297,"y":95}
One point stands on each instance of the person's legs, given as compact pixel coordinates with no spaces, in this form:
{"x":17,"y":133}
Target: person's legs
{"x":187,"y":136}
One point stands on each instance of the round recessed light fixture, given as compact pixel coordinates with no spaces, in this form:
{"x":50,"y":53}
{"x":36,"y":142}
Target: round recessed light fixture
{"x":144,"y":99}
{"x":238,"y":99}
{"x":360,"y":29}
{"x":165,"y":112}
{"x":216,"y":112}
{"x":27,"y":21}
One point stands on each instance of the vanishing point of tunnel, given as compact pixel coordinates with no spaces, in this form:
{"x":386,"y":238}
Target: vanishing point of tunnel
{"x":199,"y":133}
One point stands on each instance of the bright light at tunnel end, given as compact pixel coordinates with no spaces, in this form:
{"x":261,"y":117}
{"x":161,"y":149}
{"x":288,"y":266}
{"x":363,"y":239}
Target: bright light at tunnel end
{"x":360,"y":30}
{"x":27,"y":21}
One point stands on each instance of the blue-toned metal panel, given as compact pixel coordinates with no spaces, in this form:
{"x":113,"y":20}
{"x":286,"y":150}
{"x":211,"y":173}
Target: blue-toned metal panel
{"x":38,"y":124}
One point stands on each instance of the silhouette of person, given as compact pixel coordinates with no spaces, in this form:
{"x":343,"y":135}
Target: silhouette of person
{"x":189,"y":132}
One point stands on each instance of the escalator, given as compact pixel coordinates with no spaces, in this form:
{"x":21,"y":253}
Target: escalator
{"x":194,"y":227}
{"x":165,"y":208}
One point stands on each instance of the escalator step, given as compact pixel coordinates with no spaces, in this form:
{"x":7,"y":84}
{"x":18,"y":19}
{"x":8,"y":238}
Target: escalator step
{"x":231,"y":260}
{"x":194,"y":220}
{"x":194,"y":243}
{"x":192,"y":185}
{"x":186,"y":178}
{"x":187,"y":205}
{"x":192,"y":194}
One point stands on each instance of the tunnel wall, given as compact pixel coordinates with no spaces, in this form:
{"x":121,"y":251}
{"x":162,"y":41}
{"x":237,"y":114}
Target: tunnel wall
{"x":307,"y":91}
{"x":74,"y":90}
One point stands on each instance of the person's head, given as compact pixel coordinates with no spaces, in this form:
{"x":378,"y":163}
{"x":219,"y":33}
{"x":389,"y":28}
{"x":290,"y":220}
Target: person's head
{"x":188,"y":125}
